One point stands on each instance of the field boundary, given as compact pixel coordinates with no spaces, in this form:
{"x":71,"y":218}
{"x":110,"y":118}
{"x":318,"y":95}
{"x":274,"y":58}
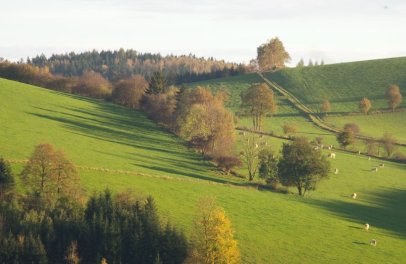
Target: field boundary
{"x":162,"y":177}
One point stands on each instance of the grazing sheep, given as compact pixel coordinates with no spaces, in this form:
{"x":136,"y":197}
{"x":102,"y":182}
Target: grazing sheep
{"x":354,"y":196}
{"x":329,"y":148}
{"x":381,"y":165}
{"x":373,"y":242}
{"x":375,"y":169}
{"x":366,"y":226}
{"x":369,"y":158}
{"x":359,"y":152}
{"x":335,"y":171}
{"x":332,"y":155}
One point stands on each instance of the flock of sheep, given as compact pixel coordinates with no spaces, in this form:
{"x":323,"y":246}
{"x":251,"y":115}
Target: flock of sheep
{"x":332,"y":155}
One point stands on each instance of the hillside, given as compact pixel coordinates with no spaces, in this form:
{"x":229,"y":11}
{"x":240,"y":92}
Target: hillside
{"x":270,"y":227}
{"x":344,"y":84}
{"x":93,"y":133}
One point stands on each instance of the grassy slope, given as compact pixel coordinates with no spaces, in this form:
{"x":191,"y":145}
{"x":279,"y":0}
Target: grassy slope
{"x":271,"y":227}
{"x":92,"y":132}
{"x":376,"y":125}
{"x":344,"y":84}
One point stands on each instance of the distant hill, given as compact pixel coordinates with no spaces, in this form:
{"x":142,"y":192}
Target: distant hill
{"x":344,"y":84}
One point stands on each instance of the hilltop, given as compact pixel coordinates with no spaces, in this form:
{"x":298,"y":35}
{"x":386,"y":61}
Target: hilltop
{"x":344,"y":84}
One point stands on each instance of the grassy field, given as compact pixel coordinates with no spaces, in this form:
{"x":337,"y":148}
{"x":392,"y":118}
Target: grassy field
{"x":271,"y":227}
{"x":375,"y":125}
{"x":344,"y":84}
{"x":93,"y":133}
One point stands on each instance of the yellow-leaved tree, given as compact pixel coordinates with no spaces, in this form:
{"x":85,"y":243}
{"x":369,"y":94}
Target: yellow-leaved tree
{"x":213,"y":240}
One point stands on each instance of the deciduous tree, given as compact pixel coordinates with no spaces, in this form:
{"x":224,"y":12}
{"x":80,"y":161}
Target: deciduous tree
{"x":364,"y":105}
{"x":302,"y":166}
{"x":213,"y":240}
{"x":50,"y":174}
{"x":129,"y":92}
{"x":389,"y":144}
{"x":394,"y":96}
{"x":289,"y":128}
{"x":252,"y":146}
{"x":326,"y":107}
{"x":258,"y":101}
{"x":272,"y":55}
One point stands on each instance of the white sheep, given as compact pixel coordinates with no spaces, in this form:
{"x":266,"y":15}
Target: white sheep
{"x":332,"y":155}
{"x":375,"y":169}
{"x":366,"y":226}
{"x":381,"y":165}
{"x":329,"y":148}
{"x":335,"y":171}
{"x":373,"y":242}
{"x":354,"y":196}
{"x":359,"y":152}
{"x":369,"y":158}
{"x":316,"y":148}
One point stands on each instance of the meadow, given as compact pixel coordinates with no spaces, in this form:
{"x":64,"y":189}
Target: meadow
{"x":343,"y":84}
{"x":326,"y":226}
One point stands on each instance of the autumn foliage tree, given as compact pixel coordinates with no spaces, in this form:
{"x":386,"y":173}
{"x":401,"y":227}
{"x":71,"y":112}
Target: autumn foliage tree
{"x":202,"y":117}
{"x":364,"y":105}
{"x":289,"y":128}
{"x":129,"y":92}
{"x":50,"y":174}
{"x":394,"y":96}
{"x":347,"y":137}
{"x":213,"y":240}
{"x":258,"y":101}
{"x":92,"y":84}
{"x":272,"y":55}
{"x":389,"y":144}
{"x":326,"y":107}
{"x":227,"y":163}
{"x":161,"y":107}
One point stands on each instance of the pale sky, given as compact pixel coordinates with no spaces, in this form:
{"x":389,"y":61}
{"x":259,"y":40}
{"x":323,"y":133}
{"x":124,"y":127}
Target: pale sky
{"x":333,"y":31}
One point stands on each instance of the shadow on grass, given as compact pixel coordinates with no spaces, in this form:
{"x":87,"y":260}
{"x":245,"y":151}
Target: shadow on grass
{"x":386,"y":210}
{"x":115,"y":124}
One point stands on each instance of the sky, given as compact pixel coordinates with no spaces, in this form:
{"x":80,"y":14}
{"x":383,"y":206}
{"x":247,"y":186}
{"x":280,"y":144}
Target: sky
{"x":329,"y":30}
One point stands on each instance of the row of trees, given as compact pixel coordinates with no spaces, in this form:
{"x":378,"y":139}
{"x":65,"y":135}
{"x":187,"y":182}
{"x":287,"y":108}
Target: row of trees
{"x":122,"y":64}
{"x":393,"y":95}
{"x":107,"y":229}
{"x":348,"y":137}
{"x":301,"y":63}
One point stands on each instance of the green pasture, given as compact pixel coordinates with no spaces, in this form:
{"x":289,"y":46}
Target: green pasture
{"x":344,"y":84}
{"x":324,"y":227}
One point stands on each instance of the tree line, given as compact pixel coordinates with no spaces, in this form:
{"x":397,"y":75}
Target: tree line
{"x":50,"y":222}
{"x":121,"y":64}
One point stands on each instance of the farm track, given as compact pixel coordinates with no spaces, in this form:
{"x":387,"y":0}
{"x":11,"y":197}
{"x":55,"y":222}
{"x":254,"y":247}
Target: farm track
{"x":316,"y":120}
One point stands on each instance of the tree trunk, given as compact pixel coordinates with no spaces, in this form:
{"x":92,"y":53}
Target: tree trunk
{"x":299,"y":189}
